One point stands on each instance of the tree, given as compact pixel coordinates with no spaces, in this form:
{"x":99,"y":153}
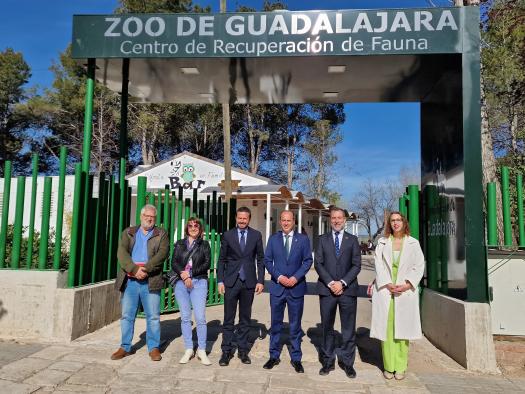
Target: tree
{"x":14,"y":74}
{"x":375,"y":199}
{"x":503,"y":88}
{"x":160,"y":6}
{"x":61,"y":112}
{"x":319,"y":147}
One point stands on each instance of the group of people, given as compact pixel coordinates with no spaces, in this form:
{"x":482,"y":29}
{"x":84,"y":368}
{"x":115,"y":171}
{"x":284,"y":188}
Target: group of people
{"x":287,"y":258}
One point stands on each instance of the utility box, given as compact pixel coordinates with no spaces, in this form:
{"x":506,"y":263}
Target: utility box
{"x":506,"y":272}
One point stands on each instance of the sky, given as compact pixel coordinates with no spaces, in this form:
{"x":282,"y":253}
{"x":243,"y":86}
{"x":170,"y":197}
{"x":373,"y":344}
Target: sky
{"x":379,"y":139}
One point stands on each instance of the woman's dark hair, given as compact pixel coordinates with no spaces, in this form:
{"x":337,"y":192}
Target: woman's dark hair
{"x":388,"y":227}
{"x":193,"y":219}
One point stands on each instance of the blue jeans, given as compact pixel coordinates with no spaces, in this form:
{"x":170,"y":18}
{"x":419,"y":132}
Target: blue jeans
{"x":196,"y":297}
{"x":137,"y":290}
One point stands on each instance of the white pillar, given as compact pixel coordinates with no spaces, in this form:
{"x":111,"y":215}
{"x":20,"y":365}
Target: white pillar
{"x":300,"y":219}
{"x":320,"y":222}
{"x":268,"y":216}
{"x":287,"y":206}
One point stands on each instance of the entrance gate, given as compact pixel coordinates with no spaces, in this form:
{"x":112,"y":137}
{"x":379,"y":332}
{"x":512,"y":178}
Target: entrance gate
{"x":430,"y":56}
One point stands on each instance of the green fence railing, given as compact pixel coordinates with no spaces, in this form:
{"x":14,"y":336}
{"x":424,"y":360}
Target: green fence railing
{"x":89,"y":252}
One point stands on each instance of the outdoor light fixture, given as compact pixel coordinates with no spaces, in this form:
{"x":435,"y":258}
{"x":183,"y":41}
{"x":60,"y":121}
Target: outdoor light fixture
{"x":330,"y":94}
{"x":336,"y":69}
{"x":190,"y":70}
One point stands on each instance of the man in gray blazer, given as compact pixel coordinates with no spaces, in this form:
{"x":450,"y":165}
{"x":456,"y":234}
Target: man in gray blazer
{"x":338,"y":262}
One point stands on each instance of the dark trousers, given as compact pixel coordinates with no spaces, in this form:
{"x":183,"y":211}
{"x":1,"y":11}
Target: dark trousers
{"x":241,"y":295}
{"x":295,"y":314}
{"x":347,"y":312}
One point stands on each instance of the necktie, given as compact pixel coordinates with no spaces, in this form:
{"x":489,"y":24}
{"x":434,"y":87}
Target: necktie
{"x":337,"y":248}
{"x":242,"y":243}
{"x":287,"y":245}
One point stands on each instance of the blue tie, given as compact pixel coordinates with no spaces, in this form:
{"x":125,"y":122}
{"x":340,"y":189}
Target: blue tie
{"x":242,"y":243}
{"x":337,"y":248}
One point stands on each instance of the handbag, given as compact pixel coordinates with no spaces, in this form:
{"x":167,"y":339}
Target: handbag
{"x":172,"y":277}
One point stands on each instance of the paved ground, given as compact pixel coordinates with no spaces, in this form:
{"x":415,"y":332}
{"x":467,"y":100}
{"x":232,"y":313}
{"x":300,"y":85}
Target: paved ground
{"x":84,"y":365}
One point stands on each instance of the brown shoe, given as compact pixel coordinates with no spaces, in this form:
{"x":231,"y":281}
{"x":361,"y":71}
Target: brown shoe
{"x":155,"y":355}
{"x":120,"y":354}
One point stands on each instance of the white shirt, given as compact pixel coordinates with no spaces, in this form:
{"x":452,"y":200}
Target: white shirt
{"x":290,"y":237}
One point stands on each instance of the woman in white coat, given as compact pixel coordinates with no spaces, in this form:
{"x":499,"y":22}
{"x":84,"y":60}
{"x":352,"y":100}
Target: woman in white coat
{"x":399,"y":265}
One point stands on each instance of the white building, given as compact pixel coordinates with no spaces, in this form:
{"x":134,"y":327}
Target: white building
{"x":265,"y":198}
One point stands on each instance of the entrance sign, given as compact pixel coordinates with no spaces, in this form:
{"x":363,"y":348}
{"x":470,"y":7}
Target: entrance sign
{"x":429,"y":56}
{"x":302,"y":33}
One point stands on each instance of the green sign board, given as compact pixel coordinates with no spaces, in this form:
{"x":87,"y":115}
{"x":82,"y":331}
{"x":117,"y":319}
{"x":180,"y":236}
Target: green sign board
{"x":300,"y":33}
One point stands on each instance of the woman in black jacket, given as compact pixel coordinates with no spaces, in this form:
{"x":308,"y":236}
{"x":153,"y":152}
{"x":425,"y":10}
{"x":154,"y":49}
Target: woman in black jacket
{"x":191,"y":262}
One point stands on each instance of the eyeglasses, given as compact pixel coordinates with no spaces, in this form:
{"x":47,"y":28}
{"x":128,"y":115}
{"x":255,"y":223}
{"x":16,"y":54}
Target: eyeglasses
{"x":149,"y":216}
{"x":396,"y":220}
{"x":193,"y":225}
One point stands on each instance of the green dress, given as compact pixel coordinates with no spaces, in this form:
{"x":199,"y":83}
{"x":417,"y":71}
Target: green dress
{"x":395,"y":351}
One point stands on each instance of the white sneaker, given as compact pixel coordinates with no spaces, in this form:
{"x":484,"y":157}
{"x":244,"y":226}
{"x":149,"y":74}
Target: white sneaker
{"x":188,"y":355}
{"x":201,"y":355}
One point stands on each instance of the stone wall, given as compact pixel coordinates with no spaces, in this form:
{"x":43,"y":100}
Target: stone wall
{"x":37,"y":304}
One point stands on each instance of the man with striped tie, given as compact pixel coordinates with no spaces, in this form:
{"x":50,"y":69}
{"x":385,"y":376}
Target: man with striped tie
{"x":338,"y":262}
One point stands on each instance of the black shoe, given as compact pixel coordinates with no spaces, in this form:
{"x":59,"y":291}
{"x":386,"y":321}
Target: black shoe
{"x":325,"y":370}
{"x":225,"y":359}
{"x":244,"y":358}
{"x":349,"y":370}
{"x":297,"y":366}
{"x":272,"y":362}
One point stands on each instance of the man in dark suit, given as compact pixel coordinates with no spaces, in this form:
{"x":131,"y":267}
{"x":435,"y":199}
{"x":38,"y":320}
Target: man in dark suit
{"x":238,"y":279}
{"x":288,"y":258}
{"x":338,"y":262}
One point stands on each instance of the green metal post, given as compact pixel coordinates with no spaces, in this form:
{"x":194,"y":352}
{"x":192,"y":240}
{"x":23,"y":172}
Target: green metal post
{"x":31,"y":230}
{"x":165,"y":222}
{"x":213,"y":218}
{"x":98,"y":228}
{"x":403,"y":205}
{"x":159,"y":208}
{"x":187,"y":211}
{"x":521,"y":219}
{"x":173,"y":210}
{"x":432,"y":244}
{"x":505,"y":196}
{"x":201,"y":212}
{"x":111,"y":226}
{"x":123,"y":208}
{"x":88,"y":115}
{"x":219,"y":216}
{"x":75,"y":227}
{"x":19,"y":218}
{"x":211,"y":295}
{"x":492,"y":225}
{"x":60,"y":208}
{"x":86,"y":216}
{"x":44,"y":229}
{"x":413,"y":210}
{"x":180,"y":203}
{"x":141,"y":196}
{"x":194,"y":207}
{"x":208,"y":207}
{"x":5,"y":211}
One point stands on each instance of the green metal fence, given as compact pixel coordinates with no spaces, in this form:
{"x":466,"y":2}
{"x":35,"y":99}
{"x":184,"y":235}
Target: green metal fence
{"x":89,"y":254}
{"x":511,"y":199}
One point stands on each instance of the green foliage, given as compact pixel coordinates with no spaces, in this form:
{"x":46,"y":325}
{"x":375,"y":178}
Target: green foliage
{"x":160,"y":6}
{"x":64,"y":259}
{"x":14,"y":74}
{"x":503,"y":67}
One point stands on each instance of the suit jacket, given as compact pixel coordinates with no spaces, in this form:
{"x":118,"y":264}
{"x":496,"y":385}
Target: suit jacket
{"x":231,"y":258}
{"x":346,"y":267}
{"x":297,"y":264}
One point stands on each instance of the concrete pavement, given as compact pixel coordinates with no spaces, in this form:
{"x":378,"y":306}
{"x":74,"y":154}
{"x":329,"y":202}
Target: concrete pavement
{"x":84,"y":364}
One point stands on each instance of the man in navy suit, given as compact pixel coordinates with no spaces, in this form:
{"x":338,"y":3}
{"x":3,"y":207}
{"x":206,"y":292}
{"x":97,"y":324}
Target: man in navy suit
{"x":288,"y":258}
{"x":338,"y":262}
{"x":238,"y":279}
